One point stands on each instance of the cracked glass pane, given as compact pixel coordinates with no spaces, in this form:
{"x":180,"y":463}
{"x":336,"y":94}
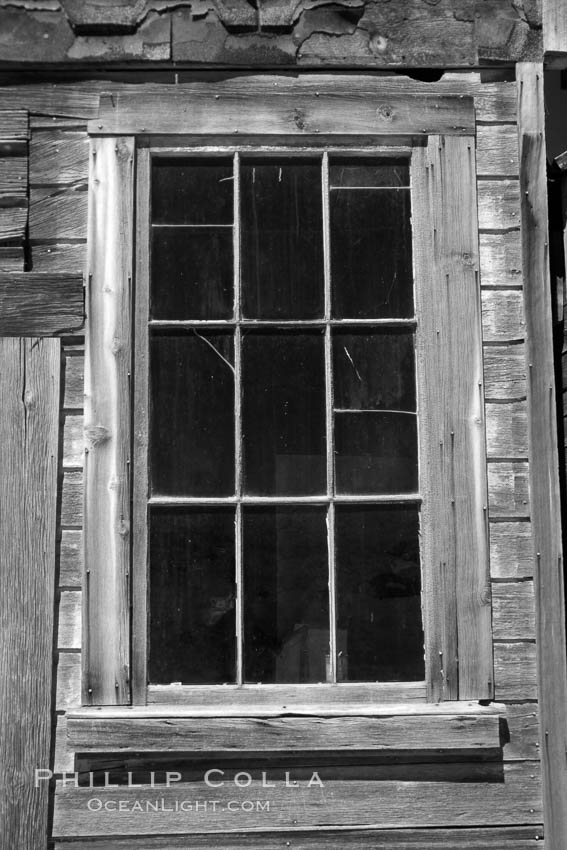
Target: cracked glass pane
{"x":192,"y":413}
{"x":282,"y":239}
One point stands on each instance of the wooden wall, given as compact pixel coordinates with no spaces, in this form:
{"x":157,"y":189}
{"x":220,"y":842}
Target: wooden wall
{"x":506,"y":799}
{"x":305,"y":33}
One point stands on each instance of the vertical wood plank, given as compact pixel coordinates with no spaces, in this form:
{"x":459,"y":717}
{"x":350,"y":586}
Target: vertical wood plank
{"x":29,"y":401}
{"x":451,"y":394}
{"x":544,"y":479}
{"x":107,"y":423}
{"x":554,"y":26}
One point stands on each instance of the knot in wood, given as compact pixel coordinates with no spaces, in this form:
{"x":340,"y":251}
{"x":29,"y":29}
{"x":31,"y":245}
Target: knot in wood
{"x":385,"y":112}
{"x":29,"y":398}
{"x":95,"y":435}
{"x":117,"y":346}
{"x":299,"y":119}
{"x":378,"y":44}
{"x":123,"y":528}
{"x":486,"y":596}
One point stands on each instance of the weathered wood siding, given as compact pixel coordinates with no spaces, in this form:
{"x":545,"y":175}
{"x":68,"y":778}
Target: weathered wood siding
{"x":304,"y":33}
{"x":29,"y":448}
{"x":504,"y":795}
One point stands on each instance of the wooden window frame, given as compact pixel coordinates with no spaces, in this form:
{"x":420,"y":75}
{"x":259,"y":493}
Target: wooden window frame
{"x":456,"y":587}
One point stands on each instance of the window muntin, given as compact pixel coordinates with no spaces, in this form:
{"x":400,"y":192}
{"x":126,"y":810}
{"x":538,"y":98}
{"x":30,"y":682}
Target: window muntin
{"x":286,"y":412}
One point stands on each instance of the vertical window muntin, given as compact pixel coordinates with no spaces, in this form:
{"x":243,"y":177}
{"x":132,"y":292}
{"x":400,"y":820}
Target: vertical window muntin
{"x":329,"y":326}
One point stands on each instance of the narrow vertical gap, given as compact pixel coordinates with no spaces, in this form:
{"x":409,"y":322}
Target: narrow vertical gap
{"x":329,"y":419}
{"x":238,"y":427}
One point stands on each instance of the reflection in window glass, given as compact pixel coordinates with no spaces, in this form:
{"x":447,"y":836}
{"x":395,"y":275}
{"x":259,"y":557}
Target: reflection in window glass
{"x":192,"y":596}
{"x":379,"y":592}
{"x":286,"y":598}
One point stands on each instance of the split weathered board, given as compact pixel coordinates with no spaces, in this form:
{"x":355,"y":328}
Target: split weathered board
{"x":513,"y":798}
{"x":503,"y":838}
{"x":441,"y":733}
{"x":106,"y":636}
{"x":38,"y":304}
{"x":29,"y":401}
{"x":202,"y":112}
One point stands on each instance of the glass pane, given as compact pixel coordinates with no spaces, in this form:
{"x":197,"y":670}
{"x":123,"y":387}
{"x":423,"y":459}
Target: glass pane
{"x":192,"y":596}
{"x":283,"y":413}
{"x":282,"y":240}
{"x":371,"y":259}
{"x":286,"y":596}
{"x":359,"y":173}
{"x":192,"y":191}
{"x":192,"y":275}
{"x":192,"y":414}
{"x":379,"y":593}
{"x":374,"y":371}
{"x":376,"y":452}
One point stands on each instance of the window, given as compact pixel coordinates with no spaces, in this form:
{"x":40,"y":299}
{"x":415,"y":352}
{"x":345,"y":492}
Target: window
{"x":283,"y":452}
{"x":308,"y":456}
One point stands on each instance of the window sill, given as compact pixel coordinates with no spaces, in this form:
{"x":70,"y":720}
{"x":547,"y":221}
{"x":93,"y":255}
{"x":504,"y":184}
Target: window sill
{"x":441,"y":727}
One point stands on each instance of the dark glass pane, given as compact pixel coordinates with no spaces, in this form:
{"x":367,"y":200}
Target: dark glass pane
{"x":376,"y":452}
{"x":286,"y":595}
{"x":283,"y":413}
{"x":378,"y":593}
{"x":192,"y":596}
{"x":374,"y":371}
{"x":192,"y":275}
{"x":282,"y":240}
{"x":192,"y":191}
{"x":359,"y":173}
{"x":371,"y":259}
{"x":192,"y":414}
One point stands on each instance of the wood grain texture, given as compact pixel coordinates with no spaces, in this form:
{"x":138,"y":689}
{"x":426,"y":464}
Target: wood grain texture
{"x":505,"y":372}
{"x":69,"y":623}
{"x":521,"y":732}
{"x":497,"y":150}
{"x":38,"y":304}
{"x":58,"y":157}
{"x":508,"y":489}
{"x":503,"y":315}
{"x":13,"y":223}
{"x":511,"y":550}
{"x":29,"y":401}
{"x":284,"y":111}
{"x":71,"y":559}
{"x":107,"y":423}
{"x":507,"y":430}
{"x":554,"y":27}
{"x":441,"y":733}
{"x":68,"y":693}
{"x":11,"y":258}
{"x":544,"y":478}
{"x":310,"y":698}
{"x":73,"y":441}
{"x":515,"y":673}
{"x":495,"y":101}
{"x":501,"y":258}
{"x":13,"y":180}
{"x":71,"y":258}
{"x":356,"y":802}
{"x":498,"y":204}
{"x":449,"y":351}
{"x":513,"y":611}
{"x":63,"y":757}
{"x":58,"y":213}
{"x":14,"y":125}
{"x":74,"y":381}
{"x":72,"y":499}
{"x":499,"y":838}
